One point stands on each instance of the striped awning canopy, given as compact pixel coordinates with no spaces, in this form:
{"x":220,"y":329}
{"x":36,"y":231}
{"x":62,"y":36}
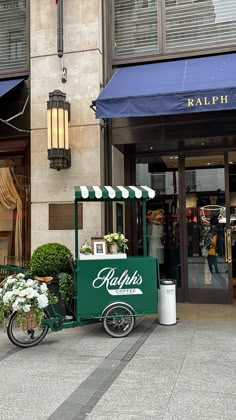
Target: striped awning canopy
{"x":113,"y":193}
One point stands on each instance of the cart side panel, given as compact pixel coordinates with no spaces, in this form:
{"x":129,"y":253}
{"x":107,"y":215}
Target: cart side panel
{"x":103,"y":282}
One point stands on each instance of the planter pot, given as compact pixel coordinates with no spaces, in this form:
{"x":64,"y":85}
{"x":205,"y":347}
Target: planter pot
{"x":113,"y":249}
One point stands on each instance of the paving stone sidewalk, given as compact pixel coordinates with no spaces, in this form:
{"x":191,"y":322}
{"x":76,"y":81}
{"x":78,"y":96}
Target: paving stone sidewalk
{"x":186,"y":371}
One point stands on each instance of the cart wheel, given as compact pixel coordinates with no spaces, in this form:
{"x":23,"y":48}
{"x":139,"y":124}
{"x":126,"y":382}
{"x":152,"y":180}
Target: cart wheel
{"x":120,"y":320}
{"x":27,"y":338}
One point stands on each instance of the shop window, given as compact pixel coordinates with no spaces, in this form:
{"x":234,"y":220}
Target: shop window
{"x":14,"y":196}
{"x":13,"y":35}
{"x":158,"y":182}
{"x":136,"y":26}
{"x":185,"y":26}
{"x":190,"y":179}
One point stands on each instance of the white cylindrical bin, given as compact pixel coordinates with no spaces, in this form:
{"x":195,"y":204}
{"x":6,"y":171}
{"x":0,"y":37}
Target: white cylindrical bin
{"x":167,"y":302}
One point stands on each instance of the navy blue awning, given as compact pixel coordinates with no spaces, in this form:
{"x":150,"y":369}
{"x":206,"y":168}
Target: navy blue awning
{"x":7,"y":85}
{"x":171,"y":87}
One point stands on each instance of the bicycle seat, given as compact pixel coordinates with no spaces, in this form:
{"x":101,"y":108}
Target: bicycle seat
{"x":44,"y":279}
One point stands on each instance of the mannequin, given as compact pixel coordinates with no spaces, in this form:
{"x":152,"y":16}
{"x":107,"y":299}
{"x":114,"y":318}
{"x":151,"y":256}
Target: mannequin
{"x":155,"y":234}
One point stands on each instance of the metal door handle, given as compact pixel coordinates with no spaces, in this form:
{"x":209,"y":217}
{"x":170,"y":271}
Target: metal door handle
{"x":226,"y":247}
{"x":229,"y":245}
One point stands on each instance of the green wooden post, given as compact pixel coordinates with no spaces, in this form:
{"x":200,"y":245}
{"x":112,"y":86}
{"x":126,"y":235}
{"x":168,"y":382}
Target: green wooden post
{"x":76,"y":231}
{"x":144,"y":229}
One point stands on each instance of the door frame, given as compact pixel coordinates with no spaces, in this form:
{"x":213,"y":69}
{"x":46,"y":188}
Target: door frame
{"x":186,"y":294}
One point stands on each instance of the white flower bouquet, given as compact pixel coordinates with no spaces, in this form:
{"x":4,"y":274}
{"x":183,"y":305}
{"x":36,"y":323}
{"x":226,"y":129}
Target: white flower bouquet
{"x":118,"y":239}
{"x":25,"y":296}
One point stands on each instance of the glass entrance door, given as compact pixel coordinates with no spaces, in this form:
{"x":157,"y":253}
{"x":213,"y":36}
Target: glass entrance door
{"x":163,"y":224}
{"x":207,"y":229}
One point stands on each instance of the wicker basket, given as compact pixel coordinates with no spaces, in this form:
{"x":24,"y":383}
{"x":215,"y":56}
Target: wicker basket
{"x":29,"y":323}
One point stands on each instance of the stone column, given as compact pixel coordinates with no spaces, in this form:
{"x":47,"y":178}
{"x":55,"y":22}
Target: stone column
{"x":83,"y":60}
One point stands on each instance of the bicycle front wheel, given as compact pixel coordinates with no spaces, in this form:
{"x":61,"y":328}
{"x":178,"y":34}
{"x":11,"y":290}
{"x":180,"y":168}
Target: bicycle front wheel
{"x":119,"y":321}
{"x":26,"y":338}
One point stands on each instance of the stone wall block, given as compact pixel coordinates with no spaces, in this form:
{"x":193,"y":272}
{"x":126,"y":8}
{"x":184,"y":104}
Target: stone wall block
{"x":81,"y":38}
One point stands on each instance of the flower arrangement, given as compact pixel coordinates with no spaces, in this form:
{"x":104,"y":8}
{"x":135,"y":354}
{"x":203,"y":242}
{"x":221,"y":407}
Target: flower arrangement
{"x":118,"y":239}
{"x":86,"y":248}
{"x":17,"y":293}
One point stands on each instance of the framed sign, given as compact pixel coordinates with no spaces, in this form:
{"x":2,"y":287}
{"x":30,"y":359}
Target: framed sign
{"x":99,"y":246}
{"x":61,"y":216}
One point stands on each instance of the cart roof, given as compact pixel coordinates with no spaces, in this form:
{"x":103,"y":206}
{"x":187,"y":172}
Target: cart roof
{"x":113,"y":193}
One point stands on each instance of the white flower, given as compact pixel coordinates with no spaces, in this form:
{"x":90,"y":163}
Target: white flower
{"x":7,"y":297}
{"x":26,"y":308}
{"x":20,"y":276}
{"x":43,"y":288}
{"x":30,"y":282}
{"x":10,"y":280}
{"x":1,"y":290}
{"x":23,"y":292}
{"x":35,"y":293}
{"x":15,"y":306}
{"x":29,"y":292}
{"x":19,"y":300}
{"x":42,"y":301}
{"x":17,"y":292}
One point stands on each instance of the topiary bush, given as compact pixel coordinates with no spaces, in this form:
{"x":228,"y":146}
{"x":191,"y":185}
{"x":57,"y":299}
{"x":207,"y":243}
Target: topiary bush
{"x":50,"y":259}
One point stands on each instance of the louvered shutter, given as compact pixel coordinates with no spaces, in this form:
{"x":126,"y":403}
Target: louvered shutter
{"x":186,"y":26}
{"x":199,"y":24}
{"x":136,"y":26}
{"x":13,"y":35}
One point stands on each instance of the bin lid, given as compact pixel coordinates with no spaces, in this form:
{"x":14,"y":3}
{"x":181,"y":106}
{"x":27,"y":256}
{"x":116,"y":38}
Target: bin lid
{"x":167,"y":282}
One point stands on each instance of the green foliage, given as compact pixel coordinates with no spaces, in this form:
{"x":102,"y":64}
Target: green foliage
{"x":66,"y":286}
{"x":50,"y":259}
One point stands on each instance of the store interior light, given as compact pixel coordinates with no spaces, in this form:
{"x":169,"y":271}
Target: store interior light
{"x":58,"y":113}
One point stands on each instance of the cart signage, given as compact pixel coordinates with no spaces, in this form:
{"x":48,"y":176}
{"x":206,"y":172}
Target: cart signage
{"x":118,"y":284}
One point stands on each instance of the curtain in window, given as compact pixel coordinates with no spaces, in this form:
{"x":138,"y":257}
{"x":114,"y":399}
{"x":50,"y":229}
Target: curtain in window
{"x":10,"y":199}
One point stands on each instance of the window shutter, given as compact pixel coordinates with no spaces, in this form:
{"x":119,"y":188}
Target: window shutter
{"x":188,"y":26}
{"x":13,"y":35}
{"x":199,"y":24}
{"x":136,"y":26}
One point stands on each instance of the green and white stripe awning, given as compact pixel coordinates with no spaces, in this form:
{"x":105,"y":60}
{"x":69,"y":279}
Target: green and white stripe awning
{"x":113,"y":193}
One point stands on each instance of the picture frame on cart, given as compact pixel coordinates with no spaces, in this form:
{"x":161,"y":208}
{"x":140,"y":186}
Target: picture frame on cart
{"x":99,"y":246}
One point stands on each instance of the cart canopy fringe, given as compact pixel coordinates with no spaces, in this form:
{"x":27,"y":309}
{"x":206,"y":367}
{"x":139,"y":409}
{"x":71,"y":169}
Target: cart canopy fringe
{"x":93,"y":193}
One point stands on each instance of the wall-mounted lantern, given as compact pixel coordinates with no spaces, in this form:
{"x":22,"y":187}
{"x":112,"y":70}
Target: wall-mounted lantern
{"x":58,"y":111}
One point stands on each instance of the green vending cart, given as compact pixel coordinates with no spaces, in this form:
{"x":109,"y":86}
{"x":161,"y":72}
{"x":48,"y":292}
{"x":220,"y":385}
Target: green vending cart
{"x":111,"y":288}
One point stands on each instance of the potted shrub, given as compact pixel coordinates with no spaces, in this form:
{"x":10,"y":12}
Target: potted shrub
{"x":52,"y":259}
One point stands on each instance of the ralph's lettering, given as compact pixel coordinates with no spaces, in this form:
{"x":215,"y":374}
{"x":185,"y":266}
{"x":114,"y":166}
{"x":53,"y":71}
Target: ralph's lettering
{"x":115,"y":284}
{"x":207,"y":100}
